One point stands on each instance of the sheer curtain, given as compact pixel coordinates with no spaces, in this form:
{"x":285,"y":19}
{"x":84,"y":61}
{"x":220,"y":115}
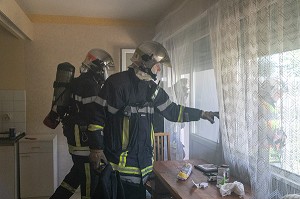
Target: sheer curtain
{"x":254,"y":46}
{"x":189,"y":61}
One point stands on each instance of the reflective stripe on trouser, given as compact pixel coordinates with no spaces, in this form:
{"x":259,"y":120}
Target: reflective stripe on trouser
{"x":68,"y":187}
{"x":87,"y":181}
{"x":65,"y":190}
{"x":131,"y":174}
{"x":80,"y":174}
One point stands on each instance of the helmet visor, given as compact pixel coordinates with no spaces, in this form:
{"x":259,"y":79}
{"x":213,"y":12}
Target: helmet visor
{"x":151,"y":53}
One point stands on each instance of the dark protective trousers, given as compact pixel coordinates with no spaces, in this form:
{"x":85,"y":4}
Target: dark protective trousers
{"x":134,"y":191}
{"x":80,"y":175}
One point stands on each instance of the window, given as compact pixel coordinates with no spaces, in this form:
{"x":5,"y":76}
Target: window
{"x":204,"y":92}
{"x":283,"y":70}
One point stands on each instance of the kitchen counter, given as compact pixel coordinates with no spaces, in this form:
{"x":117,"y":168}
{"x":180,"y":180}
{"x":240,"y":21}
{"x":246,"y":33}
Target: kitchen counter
{"x":11,"y":141}
{"x":9,"y":167}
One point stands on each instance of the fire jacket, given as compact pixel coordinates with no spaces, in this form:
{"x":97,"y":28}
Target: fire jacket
{"x":128,"y":108}
{"x":83,"y":113}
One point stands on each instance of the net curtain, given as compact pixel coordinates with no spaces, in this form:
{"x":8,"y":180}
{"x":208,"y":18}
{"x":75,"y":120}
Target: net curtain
{"x":244,"y":36}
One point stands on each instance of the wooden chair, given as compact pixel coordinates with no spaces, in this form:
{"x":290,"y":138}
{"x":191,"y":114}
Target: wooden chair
{"x":160,"y":148}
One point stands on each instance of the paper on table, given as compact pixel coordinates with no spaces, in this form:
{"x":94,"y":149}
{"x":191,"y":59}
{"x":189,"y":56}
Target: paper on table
{"x":200,"y":185}
{"x":236,"y":187}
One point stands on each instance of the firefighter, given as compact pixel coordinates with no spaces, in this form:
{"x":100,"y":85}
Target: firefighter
{"x":129,"y":100}
{"x":273,"y":91}
{"x":84,"y":90}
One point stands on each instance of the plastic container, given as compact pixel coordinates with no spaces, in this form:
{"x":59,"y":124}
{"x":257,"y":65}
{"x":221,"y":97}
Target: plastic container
{"x":185,"y":171}
{"x":223,"y":174}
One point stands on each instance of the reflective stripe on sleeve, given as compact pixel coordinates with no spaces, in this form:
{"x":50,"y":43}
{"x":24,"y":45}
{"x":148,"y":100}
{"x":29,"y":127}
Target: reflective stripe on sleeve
{"x":165,"y":105}
{"x":88,"y":100}
{"x":77,"y":98}
{"x":80,"y":151}
{"x":91,"y":99}
{"x":180,"y":118}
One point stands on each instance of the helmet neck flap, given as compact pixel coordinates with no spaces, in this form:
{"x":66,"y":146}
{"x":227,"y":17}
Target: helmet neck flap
{"x":139,"y":73}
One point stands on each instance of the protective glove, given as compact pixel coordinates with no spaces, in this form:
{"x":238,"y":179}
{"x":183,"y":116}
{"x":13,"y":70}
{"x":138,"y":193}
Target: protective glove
{"x":97,"y":159}
{"x":209,"y":115}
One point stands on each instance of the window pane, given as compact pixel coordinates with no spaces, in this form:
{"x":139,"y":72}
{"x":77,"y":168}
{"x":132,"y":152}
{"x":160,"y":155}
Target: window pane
{"x":282,"y":71}
{"x":204,"y":91}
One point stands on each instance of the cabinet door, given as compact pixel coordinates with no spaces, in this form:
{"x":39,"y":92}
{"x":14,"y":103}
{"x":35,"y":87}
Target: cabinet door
{"x":7,"y":172}
{"x":36,"y":175}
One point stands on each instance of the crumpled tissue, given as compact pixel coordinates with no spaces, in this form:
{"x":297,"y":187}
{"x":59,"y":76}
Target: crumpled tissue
{"x":200,"y":185}
{"x":236,"y":187}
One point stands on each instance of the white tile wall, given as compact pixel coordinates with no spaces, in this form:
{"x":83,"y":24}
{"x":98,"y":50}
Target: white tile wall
{"x":12,"y":110}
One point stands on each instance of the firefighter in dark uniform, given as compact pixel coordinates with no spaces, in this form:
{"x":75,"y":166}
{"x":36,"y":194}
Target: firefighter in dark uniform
{"x":129,"y":101}
{"x":84,"y":90}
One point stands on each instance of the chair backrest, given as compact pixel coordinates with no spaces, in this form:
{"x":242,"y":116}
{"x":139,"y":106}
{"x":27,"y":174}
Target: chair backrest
{"x":161,"y":144}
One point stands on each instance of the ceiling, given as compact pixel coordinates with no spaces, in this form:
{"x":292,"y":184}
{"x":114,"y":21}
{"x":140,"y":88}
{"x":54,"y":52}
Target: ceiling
{"x":143,"y":10}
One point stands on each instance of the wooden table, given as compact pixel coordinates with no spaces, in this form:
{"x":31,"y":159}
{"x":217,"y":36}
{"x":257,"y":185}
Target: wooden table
{"x":166,"y":176}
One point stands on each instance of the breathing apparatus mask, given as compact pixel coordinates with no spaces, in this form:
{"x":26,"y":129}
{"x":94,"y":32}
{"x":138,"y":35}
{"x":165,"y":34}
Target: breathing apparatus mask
{"x":97,"y":61}
{"x":147,"y":55}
